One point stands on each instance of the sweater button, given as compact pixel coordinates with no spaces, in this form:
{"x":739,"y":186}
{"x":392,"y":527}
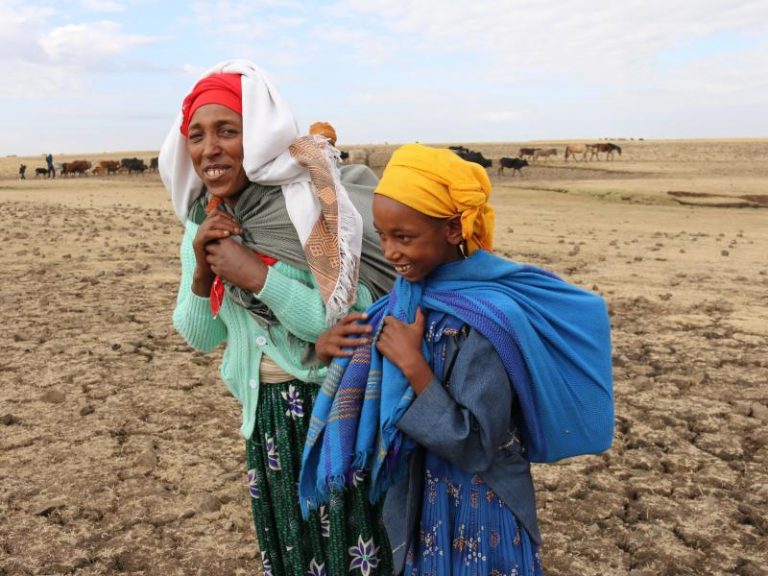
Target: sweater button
{"x":260,"y":341}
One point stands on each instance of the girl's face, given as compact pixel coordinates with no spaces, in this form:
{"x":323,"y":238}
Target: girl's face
{"x":215,"y":144}
{"x":414,"y":243}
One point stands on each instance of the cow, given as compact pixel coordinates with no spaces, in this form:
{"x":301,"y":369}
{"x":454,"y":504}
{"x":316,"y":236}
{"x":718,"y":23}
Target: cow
{"x":527,"y":152}
{"x":359,"y":156}
{"x":41,"y":172}
{"x":573,"y":149}
{"x":471,"y":156}
{"x":78,"y":167}
{"x":109,"y":166}
{"x":544,"y":153}
{"x":153,"y":164}
{"x":133,"y":165}
{"x":608,"y":147}
{"x":97,"y":170}
{"x":517,"y":164}
{"x":343,"y":155}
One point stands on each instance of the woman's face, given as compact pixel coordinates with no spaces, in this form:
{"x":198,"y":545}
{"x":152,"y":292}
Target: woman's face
{"x":215,"y":144}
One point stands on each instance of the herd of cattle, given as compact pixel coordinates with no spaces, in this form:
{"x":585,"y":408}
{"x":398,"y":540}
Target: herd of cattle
{"x":103,"y":167}
{"x":584,"y":152}
{"x":525,"y":157}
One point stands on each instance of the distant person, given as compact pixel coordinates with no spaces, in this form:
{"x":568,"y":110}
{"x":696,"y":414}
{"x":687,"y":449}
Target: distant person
{"x":265,"y":267}
{"x":51,"y":167}
{"x":22,"y":172}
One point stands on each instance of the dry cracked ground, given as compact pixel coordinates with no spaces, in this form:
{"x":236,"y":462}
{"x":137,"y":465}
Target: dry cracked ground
{"x":119,"y":446}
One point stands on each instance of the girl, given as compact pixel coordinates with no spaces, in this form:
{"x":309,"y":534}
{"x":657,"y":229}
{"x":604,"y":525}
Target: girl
{"x":462,"y":337}
{"x":265,"y":267}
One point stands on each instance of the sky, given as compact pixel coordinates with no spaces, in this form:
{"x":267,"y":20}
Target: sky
{"x":110,"y":75}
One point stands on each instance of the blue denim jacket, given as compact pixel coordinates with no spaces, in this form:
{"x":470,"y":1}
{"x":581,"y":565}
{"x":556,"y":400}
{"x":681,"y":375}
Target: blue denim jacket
{"x":467,"y":416}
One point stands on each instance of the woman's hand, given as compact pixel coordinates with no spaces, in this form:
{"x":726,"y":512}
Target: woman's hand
{"x":342,"y":338}
{"x":237,"y":264}
{"x":216,"y":226}
{"x":401,"y":344}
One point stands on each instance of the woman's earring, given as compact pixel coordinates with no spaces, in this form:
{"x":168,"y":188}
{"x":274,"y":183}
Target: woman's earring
{"x":463,"y":249}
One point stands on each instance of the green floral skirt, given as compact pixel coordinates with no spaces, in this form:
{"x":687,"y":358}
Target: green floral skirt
{"x":346,"y":536}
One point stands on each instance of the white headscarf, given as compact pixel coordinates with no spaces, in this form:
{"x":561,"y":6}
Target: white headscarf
{"x":269,"y":128}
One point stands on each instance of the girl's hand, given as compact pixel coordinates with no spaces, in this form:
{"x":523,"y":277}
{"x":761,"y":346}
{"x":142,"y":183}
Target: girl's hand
{"x":401,"y":344}
{"x":342,"y":338}
{"x":216,"y":226}
{"x":237,"y":264}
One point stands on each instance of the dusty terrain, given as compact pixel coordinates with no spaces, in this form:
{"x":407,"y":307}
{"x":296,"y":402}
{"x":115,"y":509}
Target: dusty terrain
{"x":119,"y":446}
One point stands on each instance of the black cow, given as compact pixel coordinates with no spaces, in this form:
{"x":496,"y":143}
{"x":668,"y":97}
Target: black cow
{"x":41,"y":172}
{"x":472,"y":156}
{"x":517,"y":164}
{"x":133,"y":165}
{"x":343,"y":155}
{"x":153,"y":164}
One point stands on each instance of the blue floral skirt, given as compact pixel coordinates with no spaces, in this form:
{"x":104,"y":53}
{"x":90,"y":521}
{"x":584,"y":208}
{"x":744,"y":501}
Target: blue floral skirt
{"x":465,"y":529}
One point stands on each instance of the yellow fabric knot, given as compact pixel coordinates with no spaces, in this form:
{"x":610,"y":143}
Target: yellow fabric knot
{"x":436,"y":182}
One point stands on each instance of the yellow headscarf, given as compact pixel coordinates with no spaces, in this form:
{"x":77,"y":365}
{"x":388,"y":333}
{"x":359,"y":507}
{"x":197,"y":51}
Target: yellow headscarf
{"x":436,"y":182}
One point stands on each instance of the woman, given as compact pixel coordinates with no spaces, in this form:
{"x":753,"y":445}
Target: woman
{"x":275,"y":249}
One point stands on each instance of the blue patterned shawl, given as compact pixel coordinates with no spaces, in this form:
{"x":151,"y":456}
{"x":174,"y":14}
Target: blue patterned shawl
{"x":553,"y":339}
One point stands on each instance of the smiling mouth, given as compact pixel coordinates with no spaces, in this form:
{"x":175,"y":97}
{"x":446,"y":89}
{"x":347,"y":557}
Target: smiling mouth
{"x":403,"y":269}
{"x":213,"y":173}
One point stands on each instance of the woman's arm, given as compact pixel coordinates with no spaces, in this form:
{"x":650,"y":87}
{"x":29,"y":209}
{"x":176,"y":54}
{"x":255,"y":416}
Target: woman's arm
{"x":469,"y":425}
{"x":192,"y":316}
{"x":299,"y":307}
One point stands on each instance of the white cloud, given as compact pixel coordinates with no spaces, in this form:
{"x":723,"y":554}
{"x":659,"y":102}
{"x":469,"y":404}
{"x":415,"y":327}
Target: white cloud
{"x":91,"y":42}
{"x":102,"y":6}
{"x":565,"y":36}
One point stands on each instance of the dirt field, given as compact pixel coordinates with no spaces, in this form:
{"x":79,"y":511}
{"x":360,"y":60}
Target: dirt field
{"x":119,"y":446}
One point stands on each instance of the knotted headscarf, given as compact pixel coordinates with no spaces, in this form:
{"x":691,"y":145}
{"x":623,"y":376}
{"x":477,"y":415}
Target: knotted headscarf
{"x":324,"y":129}
{"x":224,"y":89}
{"x":436,"y":182}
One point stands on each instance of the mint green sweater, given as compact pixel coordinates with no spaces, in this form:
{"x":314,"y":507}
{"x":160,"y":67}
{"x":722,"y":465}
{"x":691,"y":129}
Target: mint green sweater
{"x":290,"y":293}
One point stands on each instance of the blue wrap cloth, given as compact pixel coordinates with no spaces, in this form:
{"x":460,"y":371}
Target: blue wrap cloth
{"x":553,"y":339}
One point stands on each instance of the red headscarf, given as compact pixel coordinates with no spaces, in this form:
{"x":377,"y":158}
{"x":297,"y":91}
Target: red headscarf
{"x":224,"y":89}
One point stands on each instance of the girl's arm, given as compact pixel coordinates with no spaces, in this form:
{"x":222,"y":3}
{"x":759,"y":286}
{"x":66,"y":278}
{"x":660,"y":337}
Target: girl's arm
{"x":469,"y":425}
{"x":192,"y":316}
{"x":342,"y":338}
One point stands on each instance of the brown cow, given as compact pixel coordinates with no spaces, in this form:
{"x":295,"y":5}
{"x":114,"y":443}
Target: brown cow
{"x":527,"y":152}
{"x":78,"y":167}
{"x":544,"y":153}
{"x":573,"y":149}
{"x":608,"y":147}
{"x":110,"y":166}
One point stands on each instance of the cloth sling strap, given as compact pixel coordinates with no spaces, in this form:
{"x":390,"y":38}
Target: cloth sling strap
{"x":332,"y":264}
{"x":552,"y":337}
{"x":267,"y":228}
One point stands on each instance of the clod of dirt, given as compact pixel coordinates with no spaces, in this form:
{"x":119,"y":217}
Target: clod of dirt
{"x":53,"y":396}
